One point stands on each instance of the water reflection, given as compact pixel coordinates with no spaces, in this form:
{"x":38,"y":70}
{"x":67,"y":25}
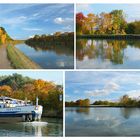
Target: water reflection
{"x":80,"y":110}
{"x":109,"y":53}
{"x":59,"y":49}
{"x":46,"y":127}
{"x":50,"y":57}
{"x":103,"y":122}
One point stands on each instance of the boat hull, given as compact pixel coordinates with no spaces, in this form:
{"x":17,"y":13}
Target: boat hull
{"x":28,"y":113}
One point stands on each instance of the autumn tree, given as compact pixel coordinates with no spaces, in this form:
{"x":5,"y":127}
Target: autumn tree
{"x":80,"y":22}
{"x":5,"y":90}
{"x":90,"y":23}
{"x":119,"y":22}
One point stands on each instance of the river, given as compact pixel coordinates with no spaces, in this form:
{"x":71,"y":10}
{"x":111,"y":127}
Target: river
{"x":103,"y":121}
{"x":114,"y":54}
{"x":46,"y":127}
{"x":54,"y":57}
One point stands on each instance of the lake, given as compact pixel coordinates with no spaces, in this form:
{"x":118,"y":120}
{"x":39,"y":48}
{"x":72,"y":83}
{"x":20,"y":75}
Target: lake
{"x":55,"y":57}
{"x":102,"y":121}
{"x":46,"y":127}
{"x":108,"y":54}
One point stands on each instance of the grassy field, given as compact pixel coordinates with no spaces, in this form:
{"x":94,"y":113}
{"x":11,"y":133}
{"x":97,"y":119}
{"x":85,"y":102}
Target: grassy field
{"x":19,"y":60}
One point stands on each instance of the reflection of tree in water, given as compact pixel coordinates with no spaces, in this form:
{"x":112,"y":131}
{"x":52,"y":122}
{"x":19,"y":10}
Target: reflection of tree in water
{"x":60,"y":48}
{"x":84,"y":110}
{"x":112,"y":50}
{"x":128,"y":112}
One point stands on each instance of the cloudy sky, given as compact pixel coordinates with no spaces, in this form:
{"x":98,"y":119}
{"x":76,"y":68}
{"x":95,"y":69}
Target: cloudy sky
{"x":132,"y":11}
{"x":54,"y":76}
{"x":101,"y":85}
{"x":24,"y":20}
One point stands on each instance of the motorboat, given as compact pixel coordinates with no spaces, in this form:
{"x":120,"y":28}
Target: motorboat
{"x":10,"y":107}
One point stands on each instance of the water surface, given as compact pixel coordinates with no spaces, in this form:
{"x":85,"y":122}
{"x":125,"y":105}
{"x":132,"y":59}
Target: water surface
{"x":54,"y":57}
{"x":114,"y":54}
{"x":102,"y":121}
{"x":46,"y":127}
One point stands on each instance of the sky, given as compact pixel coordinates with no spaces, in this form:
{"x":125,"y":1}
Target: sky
{"x":132,"y":11}
{"x":101,"y":85}
{"x":22,"y":21}
{"x":54,"y":76}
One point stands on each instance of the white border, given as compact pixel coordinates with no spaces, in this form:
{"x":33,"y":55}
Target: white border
{"x":46,"y":70}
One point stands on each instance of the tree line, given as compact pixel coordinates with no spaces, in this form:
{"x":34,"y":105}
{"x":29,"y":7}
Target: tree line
{"x":20,"y":87}
{"x":44,"y":41}
{"x":80,"y":102}
{"x":106,"y":23}
{"x":124,"y":101}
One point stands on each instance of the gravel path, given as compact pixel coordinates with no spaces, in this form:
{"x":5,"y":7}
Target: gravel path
{"x":4,"y":62}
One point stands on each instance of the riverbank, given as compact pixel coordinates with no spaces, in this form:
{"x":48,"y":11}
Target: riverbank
{"x":19,"y":60}
{"x":98,"y":106}
{"x":52,"y":114}
{"x":118,"y":37}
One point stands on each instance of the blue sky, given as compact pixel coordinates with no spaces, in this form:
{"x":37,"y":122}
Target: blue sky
{"x":22,"y":21}
{"x":54,"y":76}
{"x":132,"y":11}
{"x":101,"y":85}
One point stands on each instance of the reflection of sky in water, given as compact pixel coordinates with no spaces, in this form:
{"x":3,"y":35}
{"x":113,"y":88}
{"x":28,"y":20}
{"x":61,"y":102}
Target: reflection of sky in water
{"x":46,"y":127}
{"x":47,"y":59}
{"x":96,"y":54}
{"x":103,"y":122}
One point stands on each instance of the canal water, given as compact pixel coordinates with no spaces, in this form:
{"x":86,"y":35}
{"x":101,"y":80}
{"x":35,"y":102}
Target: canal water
{"x":114,"y":54}
{"x":46,"y":127}
{"x":102,"y":121}
{"x":55,"y":57}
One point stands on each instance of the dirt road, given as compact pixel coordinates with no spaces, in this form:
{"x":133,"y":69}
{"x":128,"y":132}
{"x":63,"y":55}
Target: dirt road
{"x":4,"y":62}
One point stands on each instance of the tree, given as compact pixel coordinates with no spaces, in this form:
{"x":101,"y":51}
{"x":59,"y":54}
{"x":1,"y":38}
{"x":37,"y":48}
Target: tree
{"x":119,"y":22}
{"x":5,"y":90}
{"x":80,"y":22}
{"x":133,"y":27}
{"x":125,"y":100}
{"x":90,"y":21}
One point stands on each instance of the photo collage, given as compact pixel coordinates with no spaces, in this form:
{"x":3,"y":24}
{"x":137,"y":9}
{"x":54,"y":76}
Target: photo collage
{"x":69,"y":70}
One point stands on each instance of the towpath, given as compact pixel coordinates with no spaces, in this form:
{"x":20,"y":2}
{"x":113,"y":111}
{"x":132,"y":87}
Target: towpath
{"x":4,"y":62}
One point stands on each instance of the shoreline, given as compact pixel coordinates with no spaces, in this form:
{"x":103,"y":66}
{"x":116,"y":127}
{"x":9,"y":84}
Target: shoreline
{"x":112,"y":37}
{"x":100,"y":106}
{"x":19,"y":60}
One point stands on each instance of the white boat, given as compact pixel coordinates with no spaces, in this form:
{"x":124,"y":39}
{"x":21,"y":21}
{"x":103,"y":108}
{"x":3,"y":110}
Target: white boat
{"x":10,"y":107}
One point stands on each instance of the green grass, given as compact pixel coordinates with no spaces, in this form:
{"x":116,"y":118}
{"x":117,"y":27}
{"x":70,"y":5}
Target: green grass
{"x":19,"y":60}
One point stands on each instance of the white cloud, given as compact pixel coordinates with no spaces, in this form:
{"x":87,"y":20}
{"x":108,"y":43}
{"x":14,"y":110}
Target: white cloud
{"x":138,"y":83}
{"x":63,"y":21}
{"x":108,"y":88}
{"x":133,"y":93}
{"x":36,"y":14}
{"x":31,"y":36}
{"x":69,"y":27}
{"x":12,"y":21}
{"x":32,"y":29}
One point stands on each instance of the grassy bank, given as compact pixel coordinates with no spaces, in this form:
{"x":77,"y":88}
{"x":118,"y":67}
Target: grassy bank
{"x":19,"y":60}
{"x":107,"y":36}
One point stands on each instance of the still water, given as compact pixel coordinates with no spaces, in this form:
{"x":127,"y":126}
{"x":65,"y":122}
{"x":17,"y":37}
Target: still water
{"x":46,"y":127}
{"x":106,"y":54}
{"x":55,"y":57}
{"x":102,"y":121}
